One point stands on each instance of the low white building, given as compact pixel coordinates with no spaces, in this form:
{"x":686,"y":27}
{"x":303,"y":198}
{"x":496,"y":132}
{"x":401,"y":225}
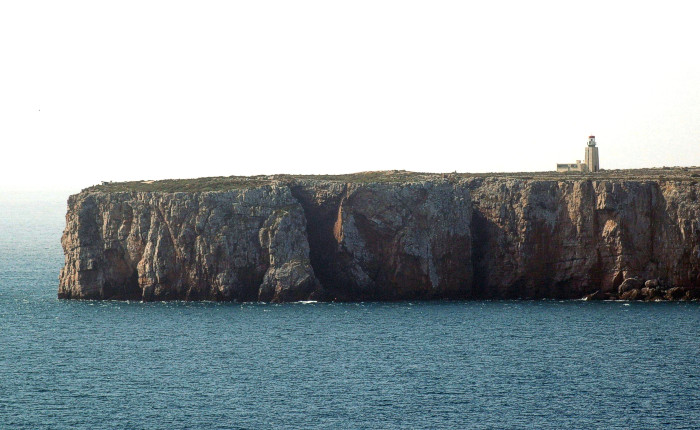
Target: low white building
{"x":572,"y":167}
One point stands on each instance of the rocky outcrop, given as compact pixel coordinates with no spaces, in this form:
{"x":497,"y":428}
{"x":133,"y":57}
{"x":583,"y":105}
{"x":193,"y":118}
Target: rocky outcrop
{"x":371,"y":242}
{"x":389,"y":241}
{"x":567,"y":239}
{"x":287,"y":239}
{"x":237,"y":245}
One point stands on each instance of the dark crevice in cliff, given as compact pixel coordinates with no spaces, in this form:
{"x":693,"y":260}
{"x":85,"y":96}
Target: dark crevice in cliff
{"x":250,"y":279}
{"x":320,"y":221}
{"x":128,"y":289}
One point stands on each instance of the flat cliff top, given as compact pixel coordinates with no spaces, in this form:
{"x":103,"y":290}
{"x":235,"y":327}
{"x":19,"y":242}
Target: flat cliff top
{"x":224,"y":183}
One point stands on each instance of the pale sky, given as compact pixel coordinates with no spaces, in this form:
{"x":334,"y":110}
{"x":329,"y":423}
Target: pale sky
{"x":129,"y":90}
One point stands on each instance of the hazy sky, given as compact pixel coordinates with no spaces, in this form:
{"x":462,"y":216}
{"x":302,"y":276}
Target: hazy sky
{"x":123,"y":90}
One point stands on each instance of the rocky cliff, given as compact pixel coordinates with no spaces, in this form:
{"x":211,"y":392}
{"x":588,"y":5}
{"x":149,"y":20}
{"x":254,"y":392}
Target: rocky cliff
{"x":384,"y":238}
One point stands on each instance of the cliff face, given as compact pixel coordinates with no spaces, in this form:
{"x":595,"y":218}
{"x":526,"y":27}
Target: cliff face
{"x":389,"y":241}
{"x":332,"y":240}
{"x":238,"y":245}
{"x":571,"y":238}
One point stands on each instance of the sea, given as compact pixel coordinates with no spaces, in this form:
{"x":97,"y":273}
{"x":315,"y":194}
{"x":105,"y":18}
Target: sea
{"x":410,"y":365}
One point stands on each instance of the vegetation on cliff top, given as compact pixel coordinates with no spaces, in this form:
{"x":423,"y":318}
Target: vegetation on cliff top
{"x":224,"y":183}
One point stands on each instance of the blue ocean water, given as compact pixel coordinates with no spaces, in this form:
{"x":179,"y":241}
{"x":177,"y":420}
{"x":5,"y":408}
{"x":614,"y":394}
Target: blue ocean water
{"x":130,"y":365}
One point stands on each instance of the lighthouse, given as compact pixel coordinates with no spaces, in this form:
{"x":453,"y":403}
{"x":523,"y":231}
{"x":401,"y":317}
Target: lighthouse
{"x":591,"y":164}
{"x":592,"y":155}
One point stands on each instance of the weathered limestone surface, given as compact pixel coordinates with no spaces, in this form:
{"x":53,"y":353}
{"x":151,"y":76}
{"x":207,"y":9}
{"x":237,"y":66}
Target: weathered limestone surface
{"x":235,"y":245}
{"x":566,"y":239}
{"x":304,"y":239}
{"x":389,"y":241}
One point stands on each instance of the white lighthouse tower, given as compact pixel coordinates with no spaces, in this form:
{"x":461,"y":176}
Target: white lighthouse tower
{"x":592,"y":155}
